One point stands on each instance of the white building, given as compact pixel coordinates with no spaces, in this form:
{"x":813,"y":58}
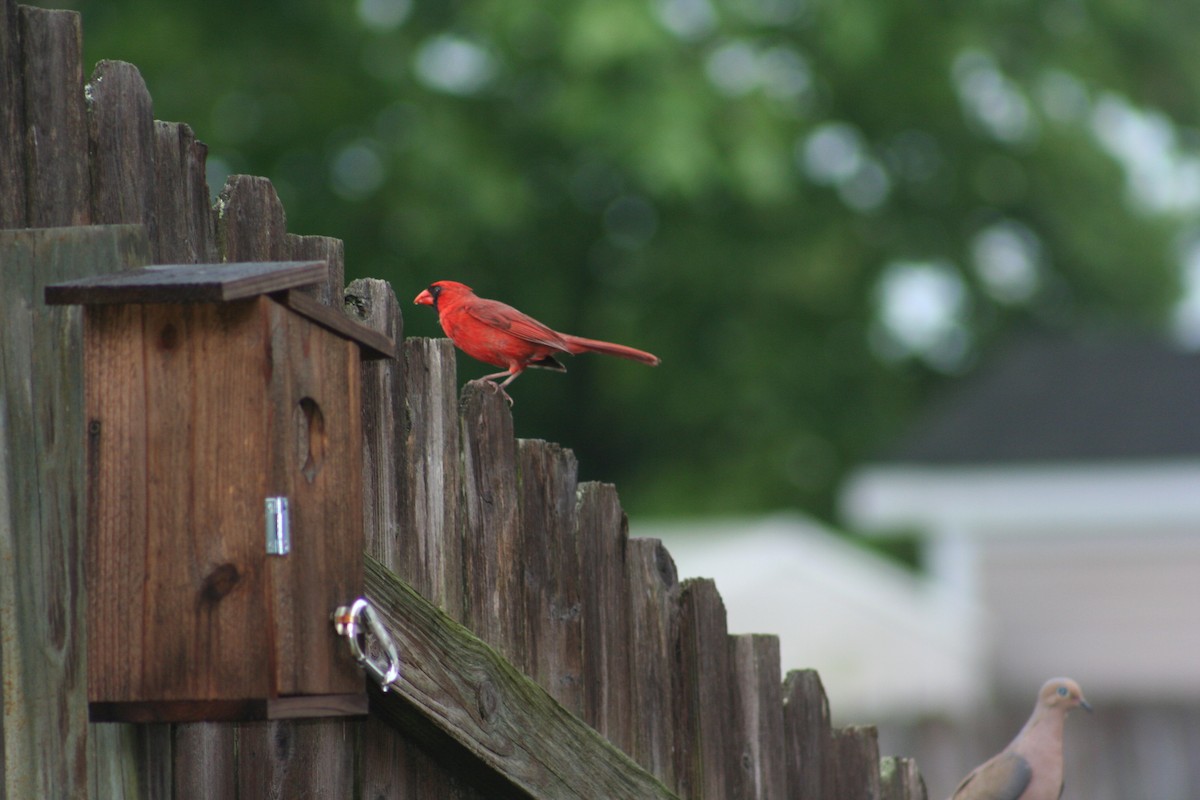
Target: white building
{"x":1059,"y":491}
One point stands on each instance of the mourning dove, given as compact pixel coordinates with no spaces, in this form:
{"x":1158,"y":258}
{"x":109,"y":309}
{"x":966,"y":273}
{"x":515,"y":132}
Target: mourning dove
{"x":1031,"y":767}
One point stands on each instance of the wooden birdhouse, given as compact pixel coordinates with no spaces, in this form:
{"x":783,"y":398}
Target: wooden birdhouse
{"x":224,"y":470}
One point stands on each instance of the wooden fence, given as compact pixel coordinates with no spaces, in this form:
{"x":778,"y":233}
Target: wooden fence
{"x":546,"y":653}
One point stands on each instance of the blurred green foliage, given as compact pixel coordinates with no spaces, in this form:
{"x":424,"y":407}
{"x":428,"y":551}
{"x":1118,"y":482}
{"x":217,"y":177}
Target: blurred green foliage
{"x":744,"y":187}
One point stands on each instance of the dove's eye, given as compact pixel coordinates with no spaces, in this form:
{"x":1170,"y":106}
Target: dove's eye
{"x":1062,"y":691}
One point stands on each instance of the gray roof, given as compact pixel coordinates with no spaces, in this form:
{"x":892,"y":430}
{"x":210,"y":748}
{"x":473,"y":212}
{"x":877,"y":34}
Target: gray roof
{"x":1052,"y":398}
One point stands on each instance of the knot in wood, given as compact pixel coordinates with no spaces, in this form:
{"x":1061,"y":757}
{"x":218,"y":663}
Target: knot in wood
{"x":488,"y":701}
{"x":219,"y":583}
{"x":168,"y":337}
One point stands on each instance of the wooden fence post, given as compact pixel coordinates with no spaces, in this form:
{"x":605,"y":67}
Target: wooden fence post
{"x":653,"y":614}
{"x":184,"y":232}
{"x":760,"y":689}
{"x":807,"y":736}
{"x":13,"y":189}
{"x":713,"y":744}
{"x":121,"y":135}
{"x":491,"y":533}
{"x":42,"y":505}
{"x":551,"y":570}
{"x":602,"y":537}
{"x":56,"y":138}
{"x":852,"y":771}
{"x":899,"y":779}
{"x":431,"y":550}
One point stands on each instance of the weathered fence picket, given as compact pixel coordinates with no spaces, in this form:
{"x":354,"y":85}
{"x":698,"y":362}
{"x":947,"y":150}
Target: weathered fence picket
{"x":653,"y":599}
{"x":760,"y":698}
{"x":534,"y":628}
{"x":57,"y":177}
{"x":602,"y":535}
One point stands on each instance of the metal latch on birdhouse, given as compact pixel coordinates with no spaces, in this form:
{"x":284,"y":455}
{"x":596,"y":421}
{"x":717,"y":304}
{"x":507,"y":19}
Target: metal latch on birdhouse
{"x":279,"y":542}
{"x":349,"y":622}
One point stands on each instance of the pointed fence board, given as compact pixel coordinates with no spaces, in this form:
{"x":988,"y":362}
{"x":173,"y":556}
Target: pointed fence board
{"x":807,"y":736}
{"x":430,"y":545}
{"x":653,"y":615}
{"x":250,"y":221}
{"x":373,"y":303}
{"x":551,"y":570}
{"x":121,"y":137}
{"x":713,"y":745}
{"x":760,"y":700}
{"x":492,"y":537}
{"x":602,"y":537}
{"x":184,"y":232}
{"x":853,"y":766}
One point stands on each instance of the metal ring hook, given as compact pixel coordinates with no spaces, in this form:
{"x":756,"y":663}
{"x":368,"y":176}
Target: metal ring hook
{"x":348,"y":622}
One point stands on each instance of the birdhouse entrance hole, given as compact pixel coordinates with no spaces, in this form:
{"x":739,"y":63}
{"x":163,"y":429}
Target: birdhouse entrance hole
{"x":311,"y":428}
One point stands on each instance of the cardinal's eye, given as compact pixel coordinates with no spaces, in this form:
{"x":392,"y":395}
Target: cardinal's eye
{"x":435,"y":290}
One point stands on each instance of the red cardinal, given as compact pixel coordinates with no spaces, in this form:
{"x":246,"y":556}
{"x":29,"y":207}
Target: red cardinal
{"x":498,"y":334}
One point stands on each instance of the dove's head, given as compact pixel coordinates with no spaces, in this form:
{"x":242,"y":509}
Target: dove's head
{"x":1063,"y":694}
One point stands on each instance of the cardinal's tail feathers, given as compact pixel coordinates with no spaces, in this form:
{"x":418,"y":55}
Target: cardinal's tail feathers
{"x":578,"y":344}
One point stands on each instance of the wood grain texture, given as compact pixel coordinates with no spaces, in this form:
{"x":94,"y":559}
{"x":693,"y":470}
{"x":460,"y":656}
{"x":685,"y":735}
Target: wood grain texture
{"x":462,"y":694}
{"x":113,"y":345}
{"x":492,"y":538}
{"x":332,"y":252}
{"x":653,"y":617}
{"x":297,"y":759}
{"x":602,"y":536}
{"x":205,"y":364}
{"x":42,"y":505}
{"x":56,"y":130}
{"x":205,"y":760}
{"x":374,"y":305}
{"x":807,"y":736}
{"x":712,"y":745}
{"x":121,"y":138}
{"x":184,"y":230}
{"x":129,"y":761}
{"x":12,"y":120}
{"x":430,"y":545}
{"x":250,"y":221}
{"x":854,"y":764}
{"x":551,"y":570}
{"x":760,"y":700}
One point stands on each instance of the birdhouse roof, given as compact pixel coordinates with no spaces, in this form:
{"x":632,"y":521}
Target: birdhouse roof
{"x":188,"y":283}
{"x":221,"y":283}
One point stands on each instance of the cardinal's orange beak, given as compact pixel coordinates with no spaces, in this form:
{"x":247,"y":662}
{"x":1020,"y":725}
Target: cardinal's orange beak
{"x":424,"y":299}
